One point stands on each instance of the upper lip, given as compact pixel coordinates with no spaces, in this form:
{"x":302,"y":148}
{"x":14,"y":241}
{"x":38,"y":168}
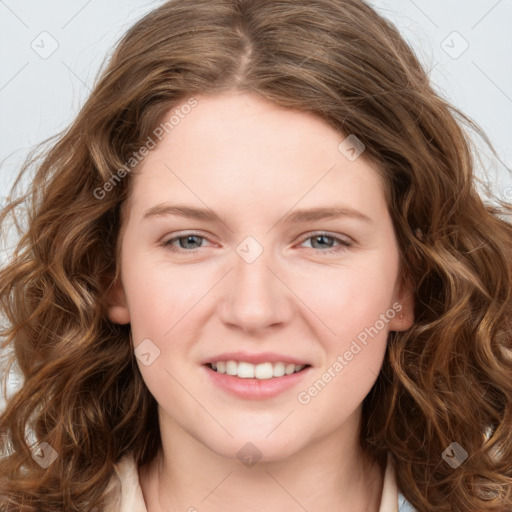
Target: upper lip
{"x":262,"y":357}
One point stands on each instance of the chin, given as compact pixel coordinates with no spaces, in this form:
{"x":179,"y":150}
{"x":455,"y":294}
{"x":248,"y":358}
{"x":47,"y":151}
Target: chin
{"x":251,"y":447}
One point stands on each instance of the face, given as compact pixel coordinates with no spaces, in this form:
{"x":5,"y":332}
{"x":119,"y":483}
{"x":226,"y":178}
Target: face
{"x":220,"y":260}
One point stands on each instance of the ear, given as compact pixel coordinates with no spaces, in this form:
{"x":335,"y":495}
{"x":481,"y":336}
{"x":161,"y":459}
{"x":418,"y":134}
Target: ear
{"x":403,"y":305}
{"x":116,"y":304}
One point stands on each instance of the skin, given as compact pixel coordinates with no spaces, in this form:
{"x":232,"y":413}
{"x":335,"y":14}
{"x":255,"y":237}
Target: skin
{"x":251,"y":162}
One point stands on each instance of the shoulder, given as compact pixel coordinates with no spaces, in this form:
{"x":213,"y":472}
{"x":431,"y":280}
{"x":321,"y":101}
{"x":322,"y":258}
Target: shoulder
{"x":404,"y":505}
{"x":392,"y":499}
{"x":124,"y":493}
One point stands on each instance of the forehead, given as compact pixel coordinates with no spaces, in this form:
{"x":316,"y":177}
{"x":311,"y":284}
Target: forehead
{"x":241,"y":149}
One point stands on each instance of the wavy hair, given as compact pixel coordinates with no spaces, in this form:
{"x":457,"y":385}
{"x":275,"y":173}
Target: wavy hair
{"x":447,"y":379}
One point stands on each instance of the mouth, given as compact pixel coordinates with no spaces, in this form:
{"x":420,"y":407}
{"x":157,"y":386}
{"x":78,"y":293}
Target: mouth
{"x":261,"y":381}
{"x":261,"y":371}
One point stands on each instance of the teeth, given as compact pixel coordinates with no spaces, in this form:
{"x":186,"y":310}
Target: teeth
{"x":262,"y":371}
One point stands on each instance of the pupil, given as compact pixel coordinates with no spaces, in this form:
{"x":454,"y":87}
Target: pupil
{"x":320,"y":237}
{"x":189,"y":239}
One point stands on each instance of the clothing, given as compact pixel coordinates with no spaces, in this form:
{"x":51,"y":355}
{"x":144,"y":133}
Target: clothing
{"x":125,"y":493}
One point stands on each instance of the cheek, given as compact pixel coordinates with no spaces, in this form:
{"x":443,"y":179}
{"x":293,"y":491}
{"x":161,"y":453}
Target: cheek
{"x":339,"y":388}
{"x":358,"y":310}
{"x":357,"y":307}
{"x":160,"y":295}
{"x":351,"y":298}
{"x":166,"y":306}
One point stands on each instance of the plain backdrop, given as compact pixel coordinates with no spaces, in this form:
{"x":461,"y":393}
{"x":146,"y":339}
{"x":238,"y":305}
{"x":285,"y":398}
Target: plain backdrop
{"x":51,"y":51}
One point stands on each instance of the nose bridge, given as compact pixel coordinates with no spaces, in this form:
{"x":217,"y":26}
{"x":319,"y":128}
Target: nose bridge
{"x":254,"y":298}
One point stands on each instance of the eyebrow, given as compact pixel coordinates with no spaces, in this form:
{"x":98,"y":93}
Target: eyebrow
{"x":295,"y":216}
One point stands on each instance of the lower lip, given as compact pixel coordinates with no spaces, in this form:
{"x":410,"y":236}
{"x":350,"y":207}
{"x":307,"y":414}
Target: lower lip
{"x":255,"y":389}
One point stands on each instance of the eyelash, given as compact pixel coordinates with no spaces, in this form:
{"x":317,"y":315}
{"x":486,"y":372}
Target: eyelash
{"x":342,"y":247}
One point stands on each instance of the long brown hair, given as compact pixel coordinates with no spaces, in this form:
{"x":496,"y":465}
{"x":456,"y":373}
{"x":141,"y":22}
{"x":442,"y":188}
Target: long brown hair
{"x":447,"y":379}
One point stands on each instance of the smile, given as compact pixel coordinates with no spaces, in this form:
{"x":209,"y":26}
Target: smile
{"x":262,"y":371}
{"x":255,"y":381}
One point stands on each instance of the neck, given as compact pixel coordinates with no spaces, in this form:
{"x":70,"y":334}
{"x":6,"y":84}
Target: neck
{"x":332,"y":473}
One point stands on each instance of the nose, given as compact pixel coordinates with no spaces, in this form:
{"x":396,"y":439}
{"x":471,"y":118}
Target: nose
{"x":254,"y":298}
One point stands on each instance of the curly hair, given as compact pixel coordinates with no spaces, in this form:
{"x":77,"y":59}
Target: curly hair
{"x":447,"y":379}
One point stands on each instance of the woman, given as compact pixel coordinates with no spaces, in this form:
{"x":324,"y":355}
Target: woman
{"x":257,"y":368}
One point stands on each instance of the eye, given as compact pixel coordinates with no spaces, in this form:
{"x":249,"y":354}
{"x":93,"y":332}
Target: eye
{"x":184,"y":242}
{"x":323,"y":240}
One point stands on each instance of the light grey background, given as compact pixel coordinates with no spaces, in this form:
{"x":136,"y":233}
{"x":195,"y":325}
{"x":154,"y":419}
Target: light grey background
{"x":51,"y":51}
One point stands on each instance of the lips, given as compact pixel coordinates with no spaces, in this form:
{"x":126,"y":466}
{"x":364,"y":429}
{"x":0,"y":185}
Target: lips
{"x":254,"y":388}
{"x":256,"y":358}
